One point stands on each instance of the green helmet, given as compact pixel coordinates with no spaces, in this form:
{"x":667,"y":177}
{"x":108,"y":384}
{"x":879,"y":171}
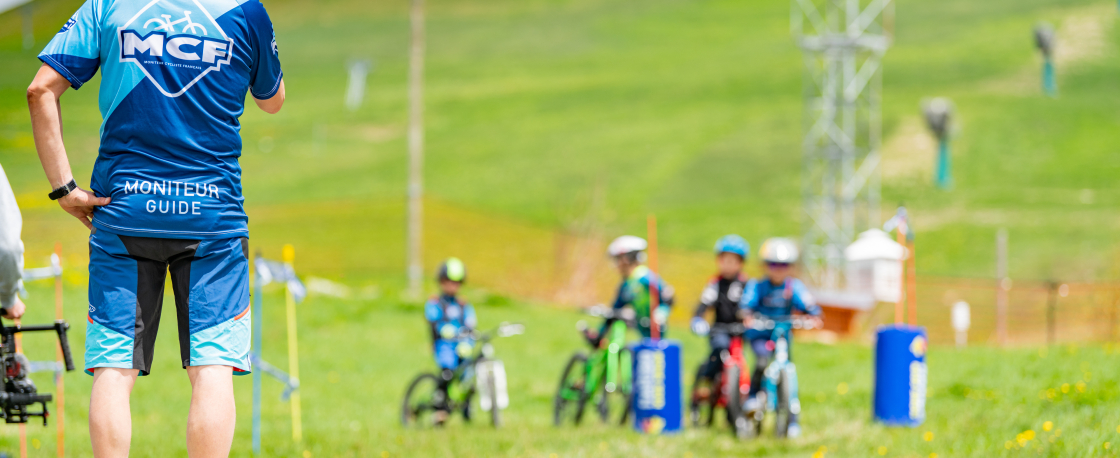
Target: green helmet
{"x":452,"y":269}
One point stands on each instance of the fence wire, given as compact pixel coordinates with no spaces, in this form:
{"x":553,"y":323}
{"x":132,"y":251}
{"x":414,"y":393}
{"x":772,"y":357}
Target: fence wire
{"x":1038,"y":312}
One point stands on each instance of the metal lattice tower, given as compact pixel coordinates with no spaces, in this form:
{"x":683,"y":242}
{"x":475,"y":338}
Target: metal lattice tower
{"x":842,"y":42}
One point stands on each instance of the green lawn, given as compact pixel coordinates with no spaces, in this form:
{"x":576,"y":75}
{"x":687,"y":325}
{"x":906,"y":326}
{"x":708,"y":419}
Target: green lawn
{"x":358,"y":356}
{"x":579,"y":113}
{"x":552,"y":122}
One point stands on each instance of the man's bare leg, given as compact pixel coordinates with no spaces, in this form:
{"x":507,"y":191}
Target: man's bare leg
{"x":213,"y":414}
{"x":110,"y":417}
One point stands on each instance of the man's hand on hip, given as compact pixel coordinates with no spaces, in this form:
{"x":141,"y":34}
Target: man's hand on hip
{"x":80,"y":203}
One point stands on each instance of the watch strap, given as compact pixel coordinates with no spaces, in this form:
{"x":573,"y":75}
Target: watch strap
{"x":63,"y":191}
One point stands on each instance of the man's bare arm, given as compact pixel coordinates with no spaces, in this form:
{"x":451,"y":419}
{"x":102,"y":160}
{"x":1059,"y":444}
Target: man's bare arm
{"x":272,"y":105}
{"x":46,"y":122}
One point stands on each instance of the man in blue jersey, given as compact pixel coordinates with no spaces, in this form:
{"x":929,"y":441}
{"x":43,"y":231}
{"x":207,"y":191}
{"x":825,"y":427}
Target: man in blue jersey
{"x":165,"y":193}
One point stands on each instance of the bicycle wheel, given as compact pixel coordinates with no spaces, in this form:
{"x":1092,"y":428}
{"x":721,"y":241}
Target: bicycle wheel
{"x":734,"y":407}
{"x":782,"y":415}
{"x":570,"y":397}
{"x":702,"y":402}
{"x":422,"y":397}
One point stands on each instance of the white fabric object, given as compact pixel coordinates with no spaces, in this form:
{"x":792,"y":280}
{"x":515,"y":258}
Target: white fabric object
{"x":11,"y":247}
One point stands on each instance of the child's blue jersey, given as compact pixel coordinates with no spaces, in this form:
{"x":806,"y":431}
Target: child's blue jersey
{"x":781,"y":300}
{"x":173,"y":84}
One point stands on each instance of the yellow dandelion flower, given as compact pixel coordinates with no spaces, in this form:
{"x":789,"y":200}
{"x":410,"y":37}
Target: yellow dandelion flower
{"x":1118,"y":430}
{"x":932,"y":455}
{"x":818,"y":454}
{"x":1058,"y":432}
{"x":1047,"y":426}
{"x":1065,"y":388}
{"x":1107,"y":445}
{"x":1029,"y":434}
{"x":882,"y":450}
{"x":307,"y":454}
{"x":842,"y":388}
{"x":928,"y":436}
{"x":553,"y":455}
{"x":1080,"y":386}
{"x":384,"y":454}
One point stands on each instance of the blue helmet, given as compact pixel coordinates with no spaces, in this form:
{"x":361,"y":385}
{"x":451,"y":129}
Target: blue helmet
{"x":733,"y":244}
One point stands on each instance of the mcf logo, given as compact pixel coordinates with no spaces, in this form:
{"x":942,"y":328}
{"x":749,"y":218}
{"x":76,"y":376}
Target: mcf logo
{"x":174,"y":46}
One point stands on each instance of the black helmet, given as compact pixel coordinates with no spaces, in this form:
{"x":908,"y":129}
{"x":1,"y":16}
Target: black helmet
{"x":452,"y":269}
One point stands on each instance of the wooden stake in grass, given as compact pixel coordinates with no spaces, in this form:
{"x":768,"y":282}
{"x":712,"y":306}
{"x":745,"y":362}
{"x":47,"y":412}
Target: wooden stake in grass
{"x":60,"y":396}
{"x":654,"y":294}
{"x":293,"y":349}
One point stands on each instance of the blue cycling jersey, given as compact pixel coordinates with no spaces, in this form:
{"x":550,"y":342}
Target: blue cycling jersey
{"x":444,"y":311}
{"x":777,"y":300}
{"x":174,"y":78}
{"x":448,"y":316}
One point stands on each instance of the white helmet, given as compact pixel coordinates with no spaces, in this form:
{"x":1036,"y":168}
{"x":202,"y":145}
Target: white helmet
{"x":779,"y":250}
{"x":626,"y":244}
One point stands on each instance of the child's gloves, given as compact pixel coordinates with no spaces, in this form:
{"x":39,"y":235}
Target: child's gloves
{"x":448,"y":331}
{"x":661,"y":315}
{"x":464,"y":349}
{"x":699,"y":326}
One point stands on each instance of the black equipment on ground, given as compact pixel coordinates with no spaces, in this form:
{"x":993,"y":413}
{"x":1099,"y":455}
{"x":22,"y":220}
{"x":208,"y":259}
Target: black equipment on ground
{"x":18,"y":392}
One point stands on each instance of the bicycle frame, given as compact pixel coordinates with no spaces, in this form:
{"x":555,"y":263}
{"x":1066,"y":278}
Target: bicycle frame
{"x":733,"y":356}
{"x":780,"y":363}
{"x":610,"y":364}
{"x":465,"y":373}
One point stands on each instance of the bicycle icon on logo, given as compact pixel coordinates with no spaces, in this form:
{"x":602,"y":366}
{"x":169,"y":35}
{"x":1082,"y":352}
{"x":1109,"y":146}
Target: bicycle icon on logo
{"x":168,"y":25}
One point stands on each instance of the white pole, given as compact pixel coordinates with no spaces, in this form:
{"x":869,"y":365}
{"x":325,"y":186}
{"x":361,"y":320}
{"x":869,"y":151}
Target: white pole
{"x":415,"y":147}
{"x":1003,"y":284}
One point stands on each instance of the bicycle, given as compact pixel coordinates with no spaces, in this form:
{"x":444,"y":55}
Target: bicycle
{"x":169,"y":25}
{"x":479,"y":373}
{"x":779,"y":380}
{"x":726,"y":389}
{"x":603,"y":377}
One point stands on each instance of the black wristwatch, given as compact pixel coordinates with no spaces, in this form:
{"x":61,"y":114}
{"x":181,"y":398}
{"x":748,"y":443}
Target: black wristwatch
{"x":63,"y":191}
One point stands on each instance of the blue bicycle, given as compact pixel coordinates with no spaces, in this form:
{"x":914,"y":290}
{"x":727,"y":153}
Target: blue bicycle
{"x":779,"y":380}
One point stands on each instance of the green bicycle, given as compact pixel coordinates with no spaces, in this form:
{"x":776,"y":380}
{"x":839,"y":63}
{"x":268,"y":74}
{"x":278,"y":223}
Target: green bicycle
{"x":603,"y":377}
{"x":480,"y":373}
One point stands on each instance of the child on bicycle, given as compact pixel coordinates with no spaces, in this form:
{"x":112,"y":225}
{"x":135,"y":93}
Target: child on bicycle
{"x":722,"y":295}
{"x":628,"y":253}
{"x":451,"y":320}
{"x":777,"y":296}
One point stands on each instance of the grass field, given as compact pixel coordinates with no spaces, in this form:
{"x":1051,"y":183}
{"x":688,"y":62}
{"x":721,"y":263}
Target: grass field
{"x":358,"y":356}
{"x":554,"y":124}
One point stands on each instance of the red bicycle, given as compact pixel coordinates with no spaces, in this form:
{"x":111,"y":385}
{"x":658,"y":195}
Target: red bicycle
{"x":728,"y":387}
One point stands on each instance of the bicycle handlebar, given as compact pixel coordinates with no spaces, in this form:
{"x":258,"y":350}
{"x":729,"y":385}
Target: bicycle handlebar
{"x":766,"y":323}
{"x":601,"y":311}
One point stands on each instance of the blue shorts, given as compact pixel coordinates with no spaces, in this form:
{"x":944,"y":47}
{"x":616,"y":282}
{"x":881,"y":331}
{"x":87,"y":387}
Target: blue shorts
{"x":210,"y":282}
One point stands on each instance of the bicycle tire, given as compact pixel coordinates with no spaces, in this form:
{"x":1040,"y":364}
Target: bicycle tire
{"x":560,"y":403}
{"x":782,"y":415}
{"x":734,"y":407}
{"x":411,"y":415}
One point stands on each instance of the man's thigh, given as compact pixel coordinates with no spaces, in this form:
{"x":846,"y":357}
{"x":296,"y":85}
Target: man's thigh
{"x":212,"y":301}
{"x":125,"y":299}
